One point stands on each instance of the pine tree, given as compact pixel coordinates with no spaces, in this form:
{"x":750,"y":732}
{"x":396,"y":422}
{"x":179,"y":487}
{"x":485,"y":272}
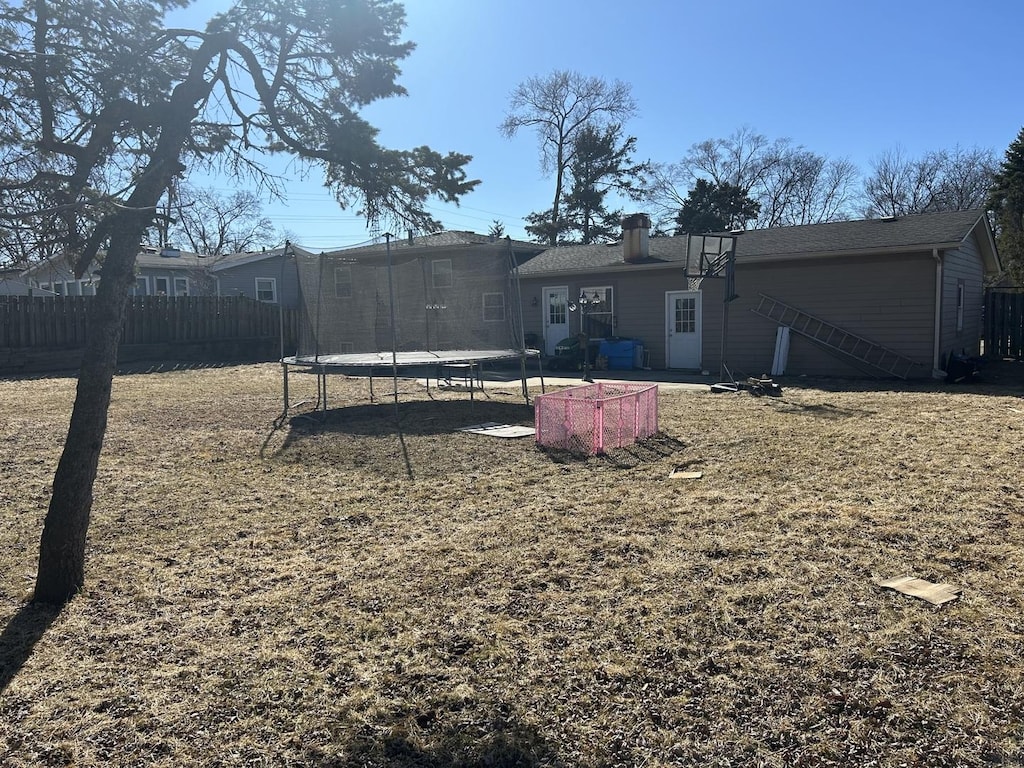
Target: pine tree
{"x":715,"y":208}
{"x":1007,"y":203}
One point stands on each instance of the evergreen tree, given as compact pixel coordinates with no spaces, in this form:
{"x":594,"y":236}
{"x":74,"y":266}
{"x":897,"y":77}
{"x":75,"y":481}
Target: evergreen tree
{"x":715,"y":208}
{"x":1006,"y":201}
{"x":559,"y":106}
{"x":602,"y":163}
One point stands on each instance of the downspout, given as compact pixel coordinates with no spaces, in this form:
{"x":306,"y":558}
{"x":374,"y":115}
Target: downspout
{"x":937,"y":368}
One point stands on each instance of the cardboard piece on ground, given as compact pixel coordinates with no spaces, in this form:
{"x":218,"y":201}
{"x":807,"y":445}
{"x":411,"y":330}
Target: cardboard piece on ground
{"x":936,"y":594}
{"x":681,"y":474}
{"x":494,"y":429}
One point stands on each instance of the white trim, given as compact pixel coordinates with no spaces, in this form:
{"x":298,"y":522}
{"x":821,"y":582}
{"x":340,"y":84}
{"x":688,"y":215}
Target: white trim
{"x":176,"y":282}
{"x":156,"y":285}
{"x":500,"y":306}
{"x":698,"y":328}
{"x":433,"y":273}
{"x":273,"y":289}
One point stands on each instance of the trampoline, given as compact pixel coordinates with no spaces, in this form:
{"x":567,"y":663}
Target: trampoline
{"x":397,"y":306}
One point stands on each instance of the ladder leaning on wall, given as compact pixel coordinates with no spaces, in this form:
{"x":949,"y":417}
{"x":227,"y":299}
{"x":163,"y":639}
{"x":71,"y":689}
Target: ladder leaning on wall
{"x":834,"y":339}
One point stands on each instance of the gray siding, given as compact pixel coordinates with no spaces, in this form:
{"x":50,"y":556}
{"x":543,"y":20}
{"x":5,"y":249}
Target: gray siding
{"x":241,"y":280}
{"x":638,"y":300}
{"x":888,"y":300}
{"x":962,"y":266}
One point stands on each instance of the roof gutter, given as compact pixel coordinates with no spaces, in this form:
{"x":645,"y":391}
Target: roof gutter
{"x":937,"y":372}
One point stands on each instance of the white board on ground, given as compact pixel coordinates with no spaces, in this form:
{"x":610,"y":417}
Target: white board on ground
{"x":493,"y":429}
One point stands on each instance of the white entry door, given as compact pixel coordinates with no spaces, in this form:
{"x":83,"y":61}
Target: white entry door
{"x":682,"y":329}
{"x":556,"y":317}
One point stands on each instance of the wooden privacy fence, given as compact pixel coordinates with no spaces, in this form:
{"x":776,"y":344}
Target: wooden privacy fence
{"x":1004,"y":324}
{"x":202,"y":325}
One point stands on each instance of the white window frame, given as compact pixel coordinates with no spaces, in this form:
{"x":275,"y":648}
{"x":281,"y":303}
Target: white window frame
{"x":494,"y":313}
{"x":601,"y":313}
{"x":273,"y":289}
{"x":166,"y":283}
{"x":434,"y":273}
{"x":179,"y":283}
{"x":143,"y":281}
{"x":345,"y":284}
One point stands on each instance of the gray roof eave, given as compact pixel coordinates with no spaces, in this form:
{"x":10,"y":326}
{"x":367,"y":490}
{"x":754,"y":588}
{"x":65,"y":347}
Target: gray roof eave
{"x":589,"y":270}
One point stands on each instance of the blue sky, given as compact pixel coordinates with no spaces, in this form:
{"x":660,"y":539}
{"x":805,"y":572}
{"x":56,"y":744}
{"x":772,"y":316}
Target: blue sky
{"x":845,"y":80}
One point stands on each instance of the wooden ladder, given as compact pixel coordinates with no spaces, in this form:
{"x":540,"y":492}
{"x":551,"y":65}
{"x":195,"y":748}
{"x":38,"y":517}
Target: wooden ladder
{"x":835,"y":339}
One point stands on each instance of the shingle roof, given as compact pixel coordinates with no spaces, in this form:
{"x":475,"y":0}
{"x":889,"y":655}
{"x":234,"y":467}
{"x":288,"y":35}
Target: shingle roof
{"x":905,"y":233}
{"x":570,"y":258}
{"x":902,"y":233}
{"x":446,"y":239}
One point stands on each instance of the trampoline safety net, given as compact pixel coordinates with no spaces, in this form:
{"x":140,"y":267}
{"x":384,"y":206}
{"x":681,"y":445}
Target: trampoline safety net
{"x":379,"y":301}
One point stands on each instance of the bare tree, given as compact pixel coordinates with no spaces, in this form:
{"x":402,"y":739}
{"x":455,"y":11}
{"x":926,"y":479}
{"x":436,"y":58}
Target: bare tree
{"x":899,"y":185}
{"x":103,"y":107}
{"x":967,"y":178}
{"x":213,"y":225}
{"x":558,"y":106}
{"x":790,"y":184}
{"x":806,"y":188}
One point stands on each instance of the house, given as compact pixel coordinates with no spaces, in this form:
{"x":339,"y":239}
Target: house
{"x":11,"y":284}
{"x":159,"y":272}
{"x":441,"y":292}
{"x":268,"y":275}
{"x":890,"y":296}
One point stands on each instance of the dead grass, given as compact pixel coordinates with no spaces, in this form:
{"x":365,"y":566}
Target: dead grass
{"x":362,"y":594}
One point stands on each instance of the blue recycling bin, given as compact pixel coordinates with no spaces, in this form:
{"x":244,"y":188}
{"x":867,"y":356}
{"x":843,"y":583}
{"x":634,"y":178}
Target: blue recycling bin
{"x":621,"y":354}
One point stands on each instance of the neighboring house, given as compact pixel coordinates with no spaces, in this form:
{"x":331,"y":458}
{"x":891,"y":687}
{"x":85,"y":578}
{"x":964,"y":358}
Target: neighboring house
{"x":12,"y":284}
{"x":451,"y":291}
{"x":158,"y":272}
{"x":265,"y":276}
{"x":906,"y":292}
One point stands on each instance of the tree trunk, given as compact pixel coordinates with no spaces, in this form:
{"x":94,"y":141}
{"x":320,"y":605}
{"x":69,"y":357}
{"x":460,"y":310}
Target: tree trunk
{"x":62,"y":548}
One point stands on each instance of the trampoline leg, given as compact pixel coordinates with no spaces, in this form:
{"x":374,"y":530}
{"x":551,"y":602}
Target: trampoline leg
{"x":284,"y":371}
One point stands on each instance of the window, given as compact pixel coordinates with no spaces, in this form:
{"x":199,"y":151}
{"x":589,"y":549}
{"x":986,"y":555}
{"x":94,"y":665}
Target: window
{"x":181,"y":286}
{"x":161,"y":286}
{"x":599,"y":314}
{"x":266,"y":289}
{"x":141,"y":286}
{"x":441,"y":273}
{"x":494,"y":307}
{"x":684,"y":319}
{"x":343,"y":282}
{"x":58,"y":288}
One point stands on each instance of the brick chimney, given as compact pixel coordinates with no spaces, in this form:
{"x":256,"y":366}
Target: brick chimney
{"x":635,"y":230}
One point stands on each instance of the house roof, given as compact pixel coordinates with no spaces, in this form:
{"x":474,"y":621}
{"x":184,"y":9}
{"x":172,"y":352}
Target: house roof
{"x":944,"y":230}
{"x":149,"y":257}
{"x":447,"y":239}
{"x":664,"y":251}
{"x":231,"y":260}
{"x":903,"y":234}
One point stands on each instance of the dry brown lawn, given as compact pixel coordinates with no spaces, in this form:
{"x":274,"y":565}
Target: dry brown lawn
{"x":367,"y":594}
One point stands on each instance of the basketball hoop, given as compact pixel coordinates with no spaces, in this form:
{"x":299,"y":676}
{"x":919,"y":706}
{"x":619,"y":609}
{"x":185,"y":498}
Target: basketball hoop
{"x":693,"y":283}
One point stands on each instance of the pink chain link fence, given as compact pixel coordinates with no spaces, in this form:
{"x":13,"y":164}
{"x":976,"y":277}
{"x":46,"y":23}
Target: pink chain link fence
{"x":595,"y":418}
